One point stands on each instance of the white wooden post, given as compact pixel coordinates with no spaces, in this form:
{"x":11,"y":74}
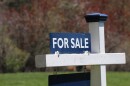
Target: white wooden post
{"x":96,"y":29}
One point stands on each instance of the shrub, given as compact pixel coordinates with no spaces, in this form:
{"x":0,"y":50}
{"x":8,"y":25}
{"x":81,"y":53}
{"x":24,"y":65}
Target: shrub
{"x":15,"y":58}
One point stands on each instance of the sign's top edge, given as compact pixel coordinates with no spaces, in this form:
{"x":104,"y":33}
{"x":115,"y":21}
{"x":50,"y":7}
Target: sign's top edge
{"x":68,"y":33}
{"x":97,"y":14}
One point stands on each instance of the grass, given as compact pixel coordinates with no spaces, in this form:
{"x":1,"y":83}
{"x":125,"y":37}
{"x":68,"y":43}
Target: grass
{"x":118,"y":78}
{"x":24,"y":79}
{"x":41,"y":79}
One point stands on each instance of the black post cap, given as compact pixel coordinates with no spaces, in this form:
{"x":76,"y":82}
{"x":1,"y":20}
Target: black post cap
{"x":96,"y":17}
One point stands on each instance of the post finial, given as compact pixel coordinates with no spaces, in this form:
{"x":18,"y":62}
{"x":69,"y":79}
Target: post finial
{"x":96,"y":17}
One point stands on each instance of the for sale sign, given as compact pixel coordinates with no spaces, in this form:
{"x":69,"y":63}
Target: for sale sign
{"x":70,"y":42}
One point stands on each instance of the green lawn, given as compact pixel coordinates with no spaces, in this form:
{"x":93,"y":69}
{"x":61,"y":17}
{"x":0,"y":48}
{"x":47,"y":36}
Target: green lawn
{"x":118,"y":78}
{"x":24,"y":79}
{"x":40,"y":79}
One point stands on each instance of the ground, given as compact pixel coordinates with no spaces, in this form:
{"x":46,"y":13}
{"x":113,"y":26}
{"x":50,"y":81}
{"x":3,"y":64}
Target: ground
{"x":41,"y":79}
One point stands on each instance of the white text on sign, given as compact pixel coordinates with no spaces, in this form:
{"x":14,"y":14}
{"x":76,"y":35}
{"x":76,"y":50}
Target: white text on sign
{"x":75,"y":42}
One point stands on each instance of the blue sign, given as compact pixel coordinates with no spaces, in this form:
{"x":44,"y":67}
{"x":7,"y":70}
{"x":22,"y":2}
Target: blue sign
{"x":76,"y":79}
{"x":70,"y":42}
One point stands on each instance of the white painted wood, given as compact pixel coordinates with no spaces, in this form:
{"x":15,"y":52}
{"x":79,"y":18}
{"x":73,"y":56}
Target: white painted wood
{"x":96,"y":74}
{"x":40,"y":60}
{"x":103,"y":75}
{"x":53,"y":60}
{"x":97,"y":37}
{"x":96,"y":30}
{"x":101,"y":37}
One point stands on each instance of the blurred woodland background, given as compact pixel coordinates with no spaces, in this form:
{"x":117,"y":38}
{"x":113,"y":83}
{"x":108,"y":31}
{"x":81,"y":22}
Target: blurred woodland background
{"x":25,"y":26}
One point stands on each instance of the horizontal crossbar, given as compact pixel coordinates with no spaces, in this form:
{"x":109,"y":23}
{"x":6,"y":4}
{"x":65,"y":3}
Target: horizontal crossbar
{"x":55,"y":60}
